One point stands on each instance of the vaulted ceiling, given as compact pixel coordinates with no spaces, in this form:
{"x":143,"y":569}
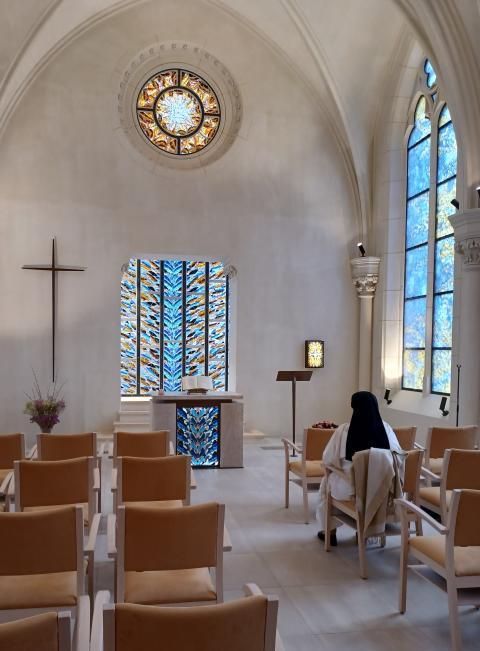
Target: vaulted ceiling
{"x":342,"y":49}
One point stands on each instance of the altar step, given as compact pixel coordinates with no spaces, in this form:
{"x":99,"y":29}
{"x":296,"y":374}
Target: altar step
{"x":134,"y":416}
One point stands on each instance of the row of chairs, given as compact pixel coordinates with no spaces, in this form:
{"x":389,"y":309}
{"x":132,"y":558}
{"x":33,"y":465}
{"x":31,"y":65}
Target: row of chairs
{"x":168,"y":555}
{"x":307,"y":471}
{"x":128,"y":627}
{"x":444,"y":479}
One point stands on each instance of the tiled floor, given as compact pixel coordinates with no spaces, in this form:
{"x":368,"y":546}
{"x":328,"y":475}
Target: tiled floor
{"x":324,"y":605}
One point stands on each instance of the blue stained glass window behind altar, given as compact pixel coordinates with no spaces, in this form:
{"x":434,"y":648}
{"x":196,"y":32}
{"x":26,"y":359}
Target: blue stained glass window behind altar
{"x":429,"y":198}
{"x":198,"y":431}
{"x":174,"y":322}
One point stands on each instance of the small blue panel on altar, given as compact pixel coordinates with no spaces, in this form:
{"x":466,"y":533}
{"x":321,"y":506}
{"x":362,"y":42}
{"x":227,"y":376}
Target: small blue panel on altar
{"x":198,"y":434}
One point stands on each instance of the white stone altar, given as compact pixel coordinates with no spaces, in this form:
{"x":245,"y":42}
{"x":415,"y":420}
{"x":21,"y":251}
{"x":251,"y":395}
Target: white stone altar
{"x":208,"y":426}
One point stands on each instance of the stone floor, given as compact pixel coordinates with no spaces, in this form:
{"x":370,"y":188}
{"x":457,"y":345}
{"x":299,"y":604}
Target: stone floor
{"x":324,"y":605}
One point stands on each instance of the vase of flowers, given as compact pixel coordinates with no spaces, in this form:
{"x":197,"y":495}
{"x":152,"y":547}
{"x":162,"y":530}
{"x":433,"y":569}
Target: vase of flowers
{"x":325,"y":424}
{"x":44,"y":410}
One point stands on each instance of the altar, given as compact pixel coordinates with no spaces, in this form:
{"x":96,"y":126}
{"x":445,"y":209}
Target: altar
{"x":209,"y":427}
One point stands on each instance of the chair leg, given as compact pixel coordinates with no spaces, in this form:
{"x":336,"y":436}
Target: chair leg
{"x":305,"y":501}
{"x":100,"y":491}
{"x":287,"y":488}
{"x":402,"y":599}
{"x":453,"y":617}
{"x":419,"y":527}
{"x":361,"y":551}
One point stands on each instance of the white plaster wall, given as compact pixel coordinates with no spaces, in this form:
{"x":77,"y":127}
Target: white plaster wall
{"x":276,"y":205}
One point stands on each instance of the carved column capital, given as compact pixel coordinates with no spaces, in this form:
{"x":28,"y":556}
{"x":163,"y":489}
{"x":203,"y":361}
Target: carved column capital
{"x":470,"y":250}
{"x":365,"y":275}
{"x":466,"y":226}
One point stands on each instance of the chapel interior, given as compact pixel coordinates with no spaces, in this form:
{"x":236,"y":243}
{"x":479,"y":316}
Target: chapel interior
{"x":220,"y":220}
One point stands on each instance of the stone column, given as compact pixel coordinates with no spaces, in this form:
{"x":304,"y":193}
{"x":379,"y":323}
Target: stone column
{"x":466,"y":226}
{"x":365,"y":279}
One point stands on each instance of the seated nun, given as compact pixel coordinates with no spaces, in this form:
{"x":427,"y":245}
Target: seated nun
{"x":366,"y":430}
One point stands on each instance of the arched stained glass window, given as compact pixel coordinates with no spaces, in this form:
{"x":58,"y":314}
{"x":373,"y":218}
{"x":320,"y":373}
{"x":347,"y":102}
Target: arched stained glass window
{"x":174,"y":322}
{"x":429,"y":243}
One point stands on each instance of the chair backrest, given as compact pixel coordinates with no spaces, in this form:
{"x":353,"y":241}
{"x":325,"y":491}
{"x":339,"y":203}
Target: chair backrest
{"x":406,"y":437}
{"x":157,"y":479}
{"x":141,"y":444}
{"x":46,"y":632}
{"x":12,"y":448}
{"x":170,"y":539}
{"x":248,"y":623}
{"x":315,"y":442}
{"x":411,"y":479}
{"x":52,"y":483}
{"x":440,"y":439}
{"x":461,"y":469}
{"x":464,"y":521}
{"x":42,"y":542}
{"x":57,"y":447}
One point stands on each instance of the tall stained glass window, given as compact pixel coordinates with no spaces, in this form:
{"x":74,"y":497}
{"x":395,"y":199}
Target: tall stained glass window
{"x":174,"y":322}
{"x":429,"y":242}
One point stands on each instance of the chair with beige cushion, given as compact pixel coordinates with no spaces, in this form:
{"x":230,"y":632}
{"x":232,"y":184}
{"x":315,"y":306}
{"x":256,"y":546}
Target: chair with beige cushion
{"x":46,"y":632}
{"x":248,"y":623}
{"x":58,"y":447}
{"x":350,"y":513}
{"x":40,"y":485}
{"x":162,"y":481}
{"x":440,"y":439}
{"x":141,"y":444}
{"x":42,"y":568}
{"x":461,"y":469}
{"x":406,"y":437}
{"x":164,"y":556}
{"x":307,"y":471}
{"x":450,"y":559}
{"x":12,"y":448}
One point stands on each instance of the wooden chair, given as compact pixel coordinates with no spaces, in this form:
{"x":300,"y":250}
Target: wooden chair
{"x":461,"y":469}
{"x":12,"y":448}
{"x":440,"y":439}
{"x":248,"y":623}
{"x":45,"y":632}
{"x":308,"y":470}
{"x":411,"y":483}
{"x":406,"y":437}
{"x":58,"y":447}
{"x":42,"y":569}
{"x":163,"y":556}
{"x":450,"y":559}
{"x":41,"y":485}
{"x":348,"y":512}
{"x":141,"y":444}
{"x":162,"y":481}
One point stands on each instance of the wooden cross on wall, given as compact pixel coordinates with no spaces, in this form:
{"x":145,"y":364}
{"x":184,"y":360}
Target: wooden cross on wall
{"x":53,"y":268}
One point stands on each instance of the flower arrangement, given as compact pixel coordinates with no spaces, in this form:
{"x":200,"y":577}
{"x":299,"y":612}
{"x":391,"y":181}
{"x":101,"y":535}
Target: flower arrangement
{"x":326,"y":424}
{"x":44,"y":410}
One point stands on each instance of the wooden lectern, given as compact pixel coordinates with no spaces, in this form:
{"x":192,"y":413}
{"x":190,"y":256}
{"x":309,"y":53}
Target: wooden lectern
{"x":294,"y":377}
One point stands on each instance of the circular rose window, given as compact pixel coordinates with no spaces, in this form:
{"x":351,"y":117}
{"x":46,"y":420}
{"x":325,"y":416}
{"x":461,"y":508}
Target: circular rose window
{"x":178,"y":112}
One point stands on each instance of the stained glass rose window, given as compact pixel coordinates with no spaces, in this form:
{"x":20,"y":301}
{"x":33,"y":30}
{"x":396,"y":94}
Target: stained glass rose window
{"x":178,"y":111}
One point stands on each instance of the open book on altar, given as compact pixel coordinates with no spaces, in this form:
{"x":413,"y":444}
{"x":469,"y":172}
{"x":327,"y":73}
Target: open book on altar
{"x":197,"y":383}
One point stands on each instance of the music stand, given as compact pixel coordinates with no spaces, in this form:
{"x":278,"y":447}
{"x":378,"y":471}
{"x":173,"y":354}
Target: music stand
{"x":294,"y":377}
